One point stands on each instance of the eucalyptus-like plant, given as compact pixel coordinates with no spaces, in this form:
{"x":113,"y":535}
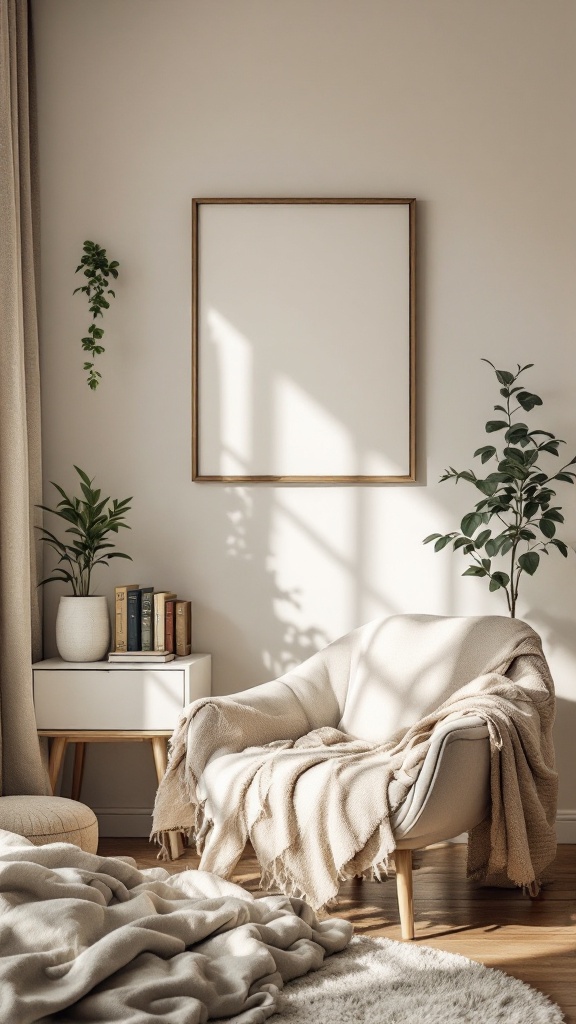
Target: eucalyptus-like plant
{"x":97,"y":269}
{"x":92,"y":519}
{"x":518,"y":496}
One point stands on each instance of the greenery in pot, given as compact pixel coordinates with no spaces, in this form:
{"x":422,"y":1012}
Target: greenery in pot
{"x":91,"y":520}
{"x":97,"y":269}
{"x":516,"y":517}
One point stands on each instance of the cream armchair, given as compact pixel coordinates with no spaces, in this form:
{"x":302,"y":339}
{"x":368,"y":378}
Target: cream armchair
{"x":372,"y":684}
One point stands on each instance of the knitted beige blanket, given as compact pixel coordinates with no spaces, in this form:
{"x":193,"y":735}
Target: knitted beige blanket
{"x":316,"y":803}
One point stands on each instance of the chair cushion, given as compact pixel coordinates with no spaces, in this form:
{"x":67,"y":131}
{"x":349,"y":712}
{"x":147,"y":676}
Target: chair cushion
{"x":50,"y":819}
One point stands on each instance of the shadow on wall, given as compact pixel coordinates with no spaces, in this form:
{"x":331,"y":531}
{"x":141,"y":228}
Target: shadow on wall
{"x":248,"y":551}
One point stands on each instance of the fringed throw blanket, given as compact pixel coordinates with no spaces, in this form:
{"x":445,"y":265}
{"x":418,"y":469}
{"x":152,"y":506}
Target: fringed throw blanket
{"x":316,"y":803}
{"x":87,"y":938}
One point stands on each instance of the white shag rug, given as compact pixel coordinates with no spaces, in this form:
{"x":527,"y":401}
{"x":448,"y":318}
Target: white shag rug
{"x":379,"y":981}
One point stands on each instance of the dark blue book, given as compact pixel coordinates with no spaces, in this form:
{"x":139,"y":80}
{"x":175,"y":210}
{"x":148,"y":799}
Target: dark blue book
{"x":134,"y":620}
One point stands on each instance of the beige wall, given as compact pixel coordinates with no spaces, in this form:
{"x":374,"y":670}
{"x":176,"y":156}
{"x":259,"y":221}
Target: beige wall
{"x":467,"y":105}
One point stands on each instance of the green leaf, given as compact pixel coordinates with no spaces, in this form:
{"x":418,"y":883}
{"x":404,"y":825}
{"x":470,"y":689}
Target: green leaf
{"x":529,"y":562}
{"x":494,"y":425}
{"x":432,"y":536}
{"x":83,"y":476}
{"x":486,"y":452}
{"x":442,"y":542}
{"x":502,"y":578}
{"x":551,"y":447}
{"x":481,"y":539}
{"x":470,"y":523}
{"x":528,"y":400}
{"x":462,"y":542}
{"x":475,"y":570}
{"x":547,"y":527}
{"x":494,"y":584}
{"x":561,"y":546}
{"x":505,"y":377}
{"x":568,"y":478}
{"x":64,"y":578}
{"x":488,"y":487}
{"x":517,"y":432}
{"x":555,"y":514}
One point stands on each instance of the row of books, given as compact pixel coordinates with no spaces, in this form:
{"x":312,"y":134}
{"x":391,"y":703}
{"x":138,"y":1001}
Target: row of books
{"x":150,"y":625}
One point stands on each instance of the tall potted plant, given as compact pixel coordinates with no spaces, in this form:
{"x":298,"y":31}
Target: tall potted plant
{"x":82,"y":622}
{"x":516,"y":518}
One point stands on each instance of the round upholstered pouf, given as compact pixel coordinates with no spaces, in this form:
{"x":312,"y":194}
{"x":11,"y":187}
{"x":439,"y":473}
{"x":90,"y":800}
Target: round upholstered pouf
{"x":50,"y":819}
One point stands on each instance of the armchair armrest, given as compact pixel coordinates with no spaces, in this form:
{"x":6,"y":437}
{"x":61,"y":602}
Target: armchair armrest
{"x":452,"y":792}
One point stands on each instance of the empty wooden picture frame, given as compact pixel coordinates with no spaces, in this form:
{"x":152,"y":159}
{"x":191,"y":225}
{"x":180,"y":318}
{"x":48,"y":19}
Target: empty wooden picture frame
{"x":303,"y":356}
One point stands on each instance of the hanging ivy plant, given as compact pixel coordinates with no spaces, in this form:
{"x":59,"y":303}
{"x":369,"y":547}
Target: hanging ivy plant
{"x":97,"y":270}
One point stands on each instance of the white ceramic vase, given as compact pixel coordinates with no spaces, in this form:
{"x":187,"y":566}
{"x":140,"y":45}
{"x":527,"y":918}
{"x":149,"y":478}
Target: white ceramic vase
{"x":83,"y":628}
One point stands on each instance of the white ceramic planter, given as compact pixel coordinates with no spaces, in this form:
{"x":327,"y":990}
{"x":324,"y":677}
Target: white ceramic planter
{"x":83,"y":628}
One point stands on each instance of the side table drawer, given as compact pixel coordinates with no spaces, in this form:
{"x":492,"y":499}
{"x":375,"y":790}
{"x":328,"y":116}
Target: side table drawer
{"x":147,"y":698}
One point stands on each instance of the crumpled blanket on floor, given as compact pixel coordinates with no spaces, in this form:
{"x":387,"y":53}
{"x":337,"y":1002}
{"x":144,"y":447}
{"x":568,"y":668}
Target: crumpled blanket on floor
{"x":87,"y":938}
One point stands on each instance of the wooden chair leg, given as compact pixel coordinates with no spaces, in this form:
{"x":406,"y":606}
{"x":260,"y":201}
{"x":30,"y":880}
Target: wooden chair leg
{"x":403,"y":860}
{"x":57,"y":751}
{"x":78,"y":770}
{"x":160,"y":751}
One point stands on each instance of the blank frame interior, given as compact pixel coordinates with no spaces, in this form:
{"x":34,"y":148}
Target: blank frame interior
{"x":303,"y":340}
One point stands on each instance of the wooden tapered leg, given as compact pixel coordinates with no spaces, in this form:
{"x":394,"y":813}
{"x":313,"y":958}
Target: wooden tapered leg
{"x":57,"y":751}
{"x":403,"y":860}
{"x":78,"y":770}
{"x":160,"y":751}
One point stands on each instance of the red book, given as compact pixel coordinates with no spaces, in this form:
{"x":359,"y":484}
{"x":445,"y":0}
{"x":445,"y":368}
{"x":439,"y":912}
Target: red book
{"x":170,"y":627}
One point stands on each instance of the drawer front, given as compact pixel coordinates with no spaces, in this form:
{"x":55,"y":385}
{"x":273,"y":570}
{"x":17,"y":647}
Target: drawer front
{"x":75,"y":699}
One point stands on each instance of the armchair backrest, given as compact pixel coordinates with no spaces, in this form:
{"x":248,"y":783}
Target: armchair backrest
{"x":405,"y":666}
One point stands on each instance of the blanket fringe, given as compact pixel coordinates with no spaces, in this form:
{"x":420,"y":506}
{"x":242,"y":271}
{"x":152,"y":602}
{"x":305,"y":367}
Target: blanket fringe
{"x":162,"y":839}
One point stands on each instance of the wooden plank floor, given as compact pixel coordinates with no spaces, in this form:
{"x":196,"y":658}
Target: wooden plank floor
{"x":534,"y":940}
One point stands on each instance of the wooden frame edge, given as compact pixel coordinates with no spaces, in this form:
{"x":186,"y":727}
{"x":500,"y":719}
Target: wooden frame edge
{"x":411,"y":476}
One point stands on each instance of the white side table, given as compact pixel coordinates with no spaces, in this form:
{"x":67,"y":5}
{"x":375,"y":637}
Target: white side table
{"x":102,"y":702}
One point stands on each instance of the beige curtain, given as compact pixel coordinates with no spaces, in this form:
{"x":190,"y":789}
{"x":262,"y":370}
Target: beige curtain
{"x":20,"y":469}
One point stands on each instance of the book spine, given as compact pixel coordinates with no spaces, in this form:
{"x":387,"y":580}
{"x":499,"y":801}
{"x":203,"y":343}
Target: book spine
{"x":159,"y":608}
{"x":134,"y":604}
{"x":169,"y":631}
{"x":183,"y":628}
{"x":120,"y":620}
{"x":121,"y":616}
{"x":160,"y":618}
{"x":147,"y":620}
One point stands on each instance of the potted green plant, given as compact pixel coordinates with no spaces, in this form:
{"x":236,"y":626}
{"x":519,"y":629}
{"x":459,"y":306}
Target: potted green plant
{"x":82,"y":622}
{"x":516,"y":517}
{"x":97,"y":269}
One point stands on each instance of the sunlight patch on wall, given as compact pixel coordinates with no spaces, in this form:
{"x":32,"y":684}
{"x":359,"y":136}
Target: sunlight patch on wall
{"x":375,"y":463}
{"x":235,"y":401}
{"x":305,"y":435}
{"x":312,"y":564}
